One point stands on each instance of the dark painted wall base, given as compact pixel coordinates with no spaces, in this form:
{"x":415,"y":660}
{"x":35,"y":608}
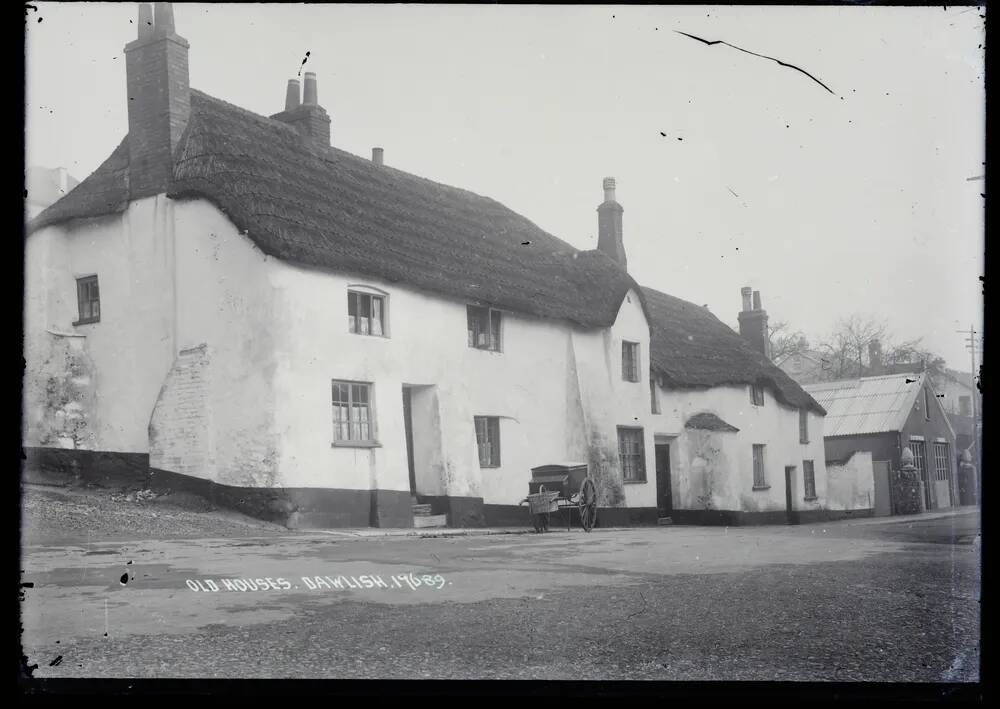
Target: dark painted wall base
{"x":294,"y":507}
{"x":736,"y":518}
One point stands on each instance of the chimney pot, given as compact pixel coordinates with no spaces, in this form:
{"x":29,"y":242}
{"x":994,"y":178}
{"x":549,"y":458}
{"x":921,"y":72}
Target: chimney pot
{"x":63,"y":181}
{"x":756,"y":300}
{"x":745,"y":292}
{"x":309,"y":97}
{"x":145,"y":20}
{"x":163,"y":21}
{"x":377,"y":155}
{"x":292,"y":95}
{"x":609,"y":189}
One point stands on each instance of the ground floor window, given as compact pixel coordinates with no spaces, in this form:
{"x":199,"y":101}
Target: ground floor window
{"x":759,"y":477}
{"x":488,"y":441}
{"x":352,"y":413}
{"x":632,"y":454}
{"x":809,"y":479}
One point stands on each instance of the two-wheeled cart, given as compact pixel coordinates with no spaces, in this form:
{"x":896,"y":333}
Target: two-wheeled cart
{"x":561,"y":487}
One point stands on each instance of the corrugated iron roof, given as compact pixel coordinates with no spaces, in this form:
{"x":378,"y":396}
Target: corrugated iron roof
{"x":867,"y":405}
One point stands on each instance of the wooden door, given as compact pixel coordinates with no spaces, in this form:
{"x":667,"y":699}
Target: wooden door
{"x":790,"y":513}
{"x":664,"y":501}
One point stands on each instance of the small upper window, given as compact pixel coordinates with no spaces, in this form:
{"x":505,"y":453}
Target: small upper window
{"x":803,"y":426}
{"x":757,"y":394}
{"x":630,"y":361}
{"x":366,"y":313}
{"x":484,"y":328}
{"x":88,"y":299}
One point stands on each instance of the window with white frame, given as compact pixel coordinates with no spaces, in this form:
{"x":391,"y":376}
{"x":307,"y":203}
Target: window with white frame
{"x":88,"y":300}
{"x":757,"y":394}
{"x":484,"y":328}
{"x":630,"y":361}
{"x":632,"y":454}
{"x":759,"y":474}
{"x":809,"y":479}
{"x":488,"y":441}
{"x":366,"y":313}
{"x":353,"y":422}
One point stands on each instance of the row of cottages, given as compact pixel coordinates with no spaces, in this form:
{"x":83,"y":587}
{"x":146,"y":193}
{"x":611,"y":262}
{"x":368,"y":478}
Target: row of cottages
{"x":879,"y":417}
{"x":228,"y":303}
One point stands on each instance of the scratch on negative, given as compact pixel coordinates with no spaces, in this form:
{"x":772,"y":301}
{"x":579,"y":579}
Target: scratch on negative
{"x":762,"y":56}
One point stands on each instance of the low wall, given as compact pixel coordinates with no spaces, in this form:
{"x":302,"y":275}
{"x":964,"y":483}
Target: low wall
{"x":850,"y":484}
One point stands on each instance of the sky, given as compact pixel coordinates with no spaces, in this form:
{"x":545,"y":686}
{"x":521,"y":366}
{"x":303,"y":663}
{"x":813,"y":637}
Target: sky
{"x":732,"y":169}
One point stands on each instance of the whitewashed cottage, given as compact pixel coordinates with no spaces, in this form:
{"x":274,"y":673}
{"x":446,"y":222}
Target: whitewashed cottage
{"x":230,"y":304}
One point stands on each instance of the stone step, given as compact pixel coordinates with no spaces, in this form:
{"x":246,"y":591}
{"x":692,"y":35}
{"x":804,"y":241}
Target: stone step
{"x":663,"y":521}
{"x":422,"y":510}
{"x":431,"y":521}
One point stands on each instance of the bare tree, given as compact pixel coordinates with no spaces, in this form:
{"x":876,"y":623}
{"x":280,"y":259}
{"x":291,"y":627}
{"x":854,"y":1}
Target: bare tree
{"x":785,"y":341}
{"x":848,"y":351}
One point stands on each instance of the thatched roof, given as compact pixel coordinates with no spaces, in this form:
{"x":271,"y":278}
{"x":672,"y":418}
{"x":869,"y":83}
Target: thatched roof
{"x":330,"y":209}
{"x":104,"y":192}
{"x":691,"y":348}
{"x":706,"y":421}
{"x":334,"y":210}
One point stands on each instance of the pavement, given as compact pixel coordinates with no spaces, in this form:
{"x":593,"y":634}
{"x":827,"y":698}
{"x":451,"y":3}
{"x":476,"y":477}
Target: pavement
{"x":862,"y":599}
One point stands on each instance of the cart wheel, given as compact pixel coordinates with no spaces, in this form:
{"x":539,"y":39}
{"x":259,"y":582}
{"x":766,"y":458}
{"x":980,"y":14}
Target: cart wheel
{"x":588,"y":504}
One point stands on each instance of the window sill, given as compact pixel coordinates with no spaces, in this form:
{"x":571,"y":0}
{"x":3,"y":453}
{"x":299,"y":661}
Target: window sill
{"x":762,"y":487}
{"x":86,"y":322}
{"x":494,"y":467}
{"x":355,"y":444}
{"x":635,"y":482}
{"x":486,"y":349}
{"x":368,"y":334}
{"x":810,"y":499}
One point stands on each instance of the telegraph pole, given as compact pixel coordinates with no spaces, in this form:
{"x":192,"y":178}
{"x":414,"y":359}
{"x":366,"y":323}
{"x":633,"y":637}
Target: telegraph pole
{"x":970,"y":343}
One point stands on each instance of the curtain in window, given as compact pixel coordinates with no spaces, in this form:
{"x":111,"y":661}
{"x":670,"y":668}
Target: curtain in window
{"x":376,"y":316}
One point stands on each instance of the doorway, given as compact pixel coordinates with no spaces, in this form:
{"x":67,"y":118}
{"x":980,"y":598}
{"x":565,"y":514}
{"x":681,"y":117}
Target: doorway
{"x":790,"y":513}
{"x":883,"y":490}
{"x":664,"y":500}
{"x":408,"y":427}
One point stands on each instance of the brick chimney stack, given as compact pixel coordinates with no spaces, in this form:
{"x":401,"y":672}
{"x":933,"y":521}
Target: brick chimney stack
{"x":753,"y":322}
{"x":377,"y":155}
{"x":159,"y":99}
{"x":306,"y":116}
{"x":875,"y":366}
{"x":609,"y":225}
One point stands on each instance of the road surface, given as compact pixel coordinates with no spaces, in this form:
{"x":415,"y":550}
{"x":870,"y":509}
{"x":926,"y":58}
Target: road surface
{"x":862,"y":600}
